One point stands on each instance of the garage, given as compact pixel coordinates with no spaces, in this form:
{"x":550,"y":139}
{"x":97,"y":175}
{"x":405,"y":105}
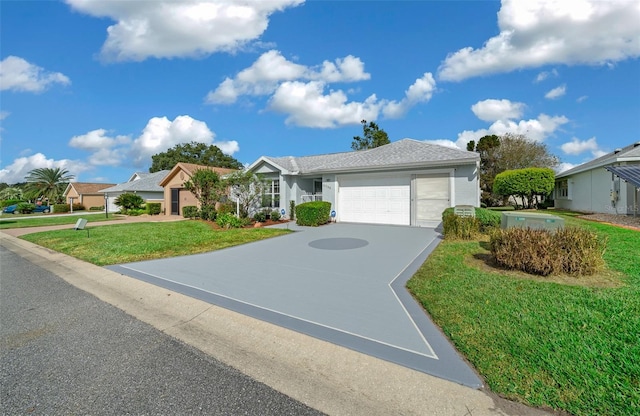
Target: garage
{"x":432,"y":196}
{"x":375,"y":200}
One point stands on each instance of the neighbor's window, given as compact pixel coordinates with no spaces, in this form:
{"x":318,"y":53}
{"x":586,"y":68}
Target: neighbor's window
{"x":271,"y":196}
{"x":563,"y":189}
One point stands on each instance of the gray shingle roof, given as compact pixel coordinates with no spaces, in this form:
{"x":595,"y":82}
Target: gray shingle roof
{"x":631,"y":152}
{"x":406,"y":152}
{"x":147,"y":183}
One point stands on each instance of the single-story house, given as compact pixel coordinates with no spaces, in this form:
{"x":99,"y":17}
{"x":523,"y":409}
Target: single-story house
{"x":175,"y":196}
{"x":407,"y":182}
{"x":86,"y":194}
{"x":596,"y":187}
{"x":146,"y":185}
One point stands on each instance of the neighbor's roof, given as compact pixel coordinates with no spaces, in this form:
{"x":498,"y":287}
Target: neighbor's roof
{"x":190,"y":168}
{"x":402,"y":153}
{"x":629,"y":153}
{"x":85,"y":188}
{"x":149,"y":182}
{"x":630,"y":173}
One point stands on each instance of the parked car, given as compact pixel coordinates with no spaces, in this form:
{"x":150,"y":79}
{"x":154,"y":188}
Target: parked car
{"x":11,"y":209}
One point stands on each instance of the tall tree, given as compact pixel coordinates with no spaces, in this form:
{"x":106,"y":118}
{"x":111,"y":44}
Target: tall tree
{"x":194,"y":152}
{"x":508,"y":152}
{"x":246,"y":188}
{"x":48,"y":183}
{"x":207,"y":187}
{"x":373,"y":137}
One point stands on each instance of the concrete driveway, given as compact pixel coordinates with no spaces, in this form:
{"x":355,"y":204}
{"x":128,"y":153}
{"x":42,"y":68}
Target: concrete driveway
{"x":343,"y":283}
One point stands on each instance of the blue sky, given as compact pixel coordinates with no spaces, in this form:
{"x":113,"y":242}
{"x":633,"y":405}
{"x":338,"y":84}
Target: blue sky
{"x":97,"y":87}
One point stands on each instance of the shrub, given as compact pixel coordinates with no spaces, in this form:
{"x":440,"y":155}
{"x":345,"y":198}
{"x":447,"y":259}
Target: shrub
{"x":275,"y":215}
{"x":226,"y":208}
{"x":59,"y":208}
{"x":100,"y":208}
{"x":78,"y":207}
{"x":455,"y":226}
{"x":292,"y":209}
{"x":228,"y":220}
{"x":313,"y":213}
{"x":260,"y":216}
{"x":190,"y":211}
{"x":135,"y":211}
{"x":488,"y":219}
{"x":128,"y":201}
{"x":570,"y":250}
{"x":25,"y":208}
{"x":208,"y":212}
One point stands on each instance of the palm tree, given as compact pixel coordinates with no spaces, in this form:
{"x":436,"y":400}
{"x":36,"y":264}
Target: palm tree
{"x":47,"y":182}
{"x":11,"y":193}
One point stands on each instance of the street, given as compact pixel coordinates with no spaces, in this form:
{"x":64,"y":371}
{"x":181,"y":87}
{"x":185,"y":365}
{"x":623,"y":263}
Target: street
{"x":63,"y":351}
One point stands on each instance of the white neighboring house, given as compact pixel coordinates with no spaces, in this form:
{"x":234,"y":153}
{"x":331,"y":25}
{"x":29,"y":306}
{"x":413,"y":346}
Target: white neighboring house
{"x":407,"y":182}
{"x":146,"y":185}
{"x":603,"y":185}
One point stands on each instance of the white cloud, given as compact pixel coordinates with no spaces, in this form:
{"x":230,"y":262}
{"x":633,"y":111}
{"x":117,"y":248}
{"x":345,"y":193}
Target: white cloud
{"x":265,"y":75}
{"x":564,"y":166}
{"x":556,"y":92}
{"x":494,"y":110}
{"x":4,"y":114}
{"x":582,"y":99}
{"x":577,"y":146}
{"x":535,"y":129}
{"x":308,"y":106}
{"x":541,"y":32}
{"x":166,"y":29}
{"x":16,"y":74}
{"x":96,"y":140}
{"x":160,"y":134}
{"x":446,"y":143}
{"x":546,"y":74}
{"x":420,"y":91}
{"x":16,"y":171}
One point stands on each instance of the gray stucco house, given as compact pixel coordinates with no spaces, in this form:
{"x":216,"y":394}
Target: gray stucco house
{"x":146,"y":185}
{"x":602,"y":185}
{"x":407,"y":182}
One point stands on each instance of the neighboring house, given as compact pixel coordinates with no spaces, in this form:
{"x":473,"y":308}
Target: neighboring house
{"x":146,"y":185}
{"x":86,"y":194}
{"x":591,"y":187}
{"x":407,"y":182}
{"x":175,"y":196}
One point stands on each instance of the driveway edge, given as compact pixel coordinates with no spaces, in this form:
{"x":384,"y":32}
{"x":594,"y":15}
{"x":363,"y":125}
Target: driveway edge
{"x":332,"y":379}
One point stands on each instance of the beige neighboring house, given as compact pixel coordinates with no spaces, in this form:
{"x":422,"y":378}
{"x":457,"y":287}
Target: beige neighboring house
{"x":86,"y":194}
{"x":175,"y":196}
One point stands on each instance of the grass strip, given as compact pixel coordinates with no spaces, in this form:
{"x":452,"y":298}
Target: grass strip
{"x":124,"y":243}
{"x":543,"y":343}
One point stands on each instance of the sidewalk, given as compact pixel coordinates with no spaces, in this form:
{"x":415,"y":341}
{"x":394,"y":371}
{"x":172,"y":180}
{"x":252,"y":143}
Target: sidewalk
{"x":327,"y":377}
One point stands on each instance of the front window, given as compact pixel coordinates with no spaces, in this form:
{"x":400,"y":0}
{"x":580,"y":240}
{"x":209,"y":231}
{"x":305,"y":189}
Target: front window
{"x":563,"y":189}
{"x":271,"y":196}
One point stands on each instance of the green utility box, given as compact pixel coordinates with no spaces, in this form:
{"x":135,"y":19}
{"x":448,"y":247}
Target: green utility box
{"x":531,"y":220}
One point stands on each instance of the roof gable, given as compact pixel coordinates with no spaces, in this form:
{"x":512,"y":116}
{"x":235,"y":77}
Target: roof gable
{"x":402,"y":153}
{"x":190,"y":168}
{"x":629,"y":153}
{"x":85,"y":188}
{"x":149,"y":182}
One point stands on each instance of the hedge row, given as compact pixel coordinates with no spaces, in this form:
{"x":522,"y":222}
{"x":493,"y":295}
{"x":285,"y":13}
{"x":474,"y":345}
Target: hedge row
{"x":313,"y":213}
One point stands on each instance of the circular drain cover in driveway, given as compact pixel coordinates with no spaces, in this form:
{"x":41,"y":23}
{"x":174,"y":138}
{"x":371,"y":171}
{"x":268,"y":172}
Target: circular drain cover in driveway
{"x":338,"y":243}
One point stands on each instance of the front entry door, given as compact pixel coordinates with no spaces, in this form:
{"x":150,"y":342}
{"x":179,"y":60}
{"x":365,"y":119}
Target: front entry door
{"x":175,"y":201}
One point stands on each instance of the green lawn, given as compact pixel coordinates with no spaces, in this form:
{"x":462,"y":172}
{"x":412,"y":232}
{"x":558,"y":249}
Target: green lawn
{"x":123,"y":243}
{"x":39,"y":220}
{"x":568,"y":346}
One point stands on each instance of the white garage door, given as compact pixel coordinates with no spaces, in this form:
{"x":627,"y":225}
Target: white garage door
{"x":432,"y":197}
{"x":374,"y":200}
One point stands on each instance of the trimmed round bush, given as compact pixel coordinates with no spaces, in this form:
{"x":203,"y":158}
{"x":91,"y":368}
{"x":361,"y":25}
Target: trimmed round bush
{"x":190,"y":211}
{"x":275,"y":215}
{"x":153,"y":208}
{"x":260,"y":216}
{"x":313,"y":213}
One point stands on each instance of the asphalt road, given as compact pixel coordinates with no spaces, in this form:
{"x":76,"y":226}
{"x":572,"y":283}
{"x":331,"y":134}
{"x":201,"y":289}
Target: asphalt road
{"x":63,"y":351}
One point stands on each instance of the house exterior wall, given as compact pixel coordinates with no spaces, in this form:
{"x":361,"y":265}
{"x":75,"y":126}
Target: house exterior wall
{"x":92,"y":200}
{"x":186,"y":197}
{"x":72,"y":194}
{"x":590,"y":191}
